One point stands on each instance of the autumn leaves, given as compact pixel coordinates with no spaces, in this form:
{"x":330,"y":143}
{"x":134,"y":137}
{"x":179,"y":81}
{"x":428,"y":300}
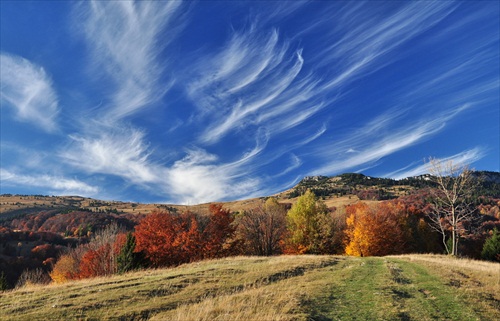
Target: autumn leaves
{"x":170,"y":239}
{"x":308,"y":227}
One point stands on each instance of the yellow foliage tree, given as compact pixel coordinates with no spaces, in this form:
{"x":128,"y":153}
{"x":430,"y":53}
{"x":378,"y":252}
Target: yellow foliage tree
{"x":358,"y":229}
{"x":66,"y":268}
{"x":376,"y":230}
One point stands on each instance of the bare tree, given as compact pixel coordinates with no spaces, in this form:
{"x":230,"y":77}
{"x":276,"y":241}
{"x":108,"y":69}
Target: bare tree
{"x":262,"y":228}
{"x":452,"y":204}
{"x":106,"y":238}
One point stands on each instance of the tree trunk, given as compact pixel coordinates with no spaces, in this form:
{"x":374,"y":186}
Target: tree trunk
{"x":454,"y":242}
{"x":445,"y":244}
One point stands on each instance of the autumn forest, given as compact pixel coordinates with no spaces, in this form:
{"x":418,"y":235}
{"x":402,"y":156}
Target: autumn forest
{"x":379,"y":217}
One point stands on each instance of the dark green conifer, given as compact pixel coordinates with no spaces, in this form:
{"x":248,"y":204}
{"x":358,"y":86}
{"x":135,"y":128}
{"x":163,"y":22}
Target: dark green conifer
{"x":128,"y":260}
{"x":491,"y":247}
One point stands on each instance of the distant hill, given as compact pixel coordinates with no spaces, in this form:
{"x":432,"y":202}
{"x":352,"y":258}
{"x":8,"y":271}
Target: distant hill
{"x":374,"y":188}
{"x":336,"y":191}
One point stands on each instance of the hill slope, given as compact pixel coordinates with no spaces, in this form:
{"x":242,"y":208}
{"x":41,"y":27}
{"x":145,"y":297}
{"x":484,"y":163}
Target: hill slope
{"x":336,"y":191}
{"x":275,"y":288}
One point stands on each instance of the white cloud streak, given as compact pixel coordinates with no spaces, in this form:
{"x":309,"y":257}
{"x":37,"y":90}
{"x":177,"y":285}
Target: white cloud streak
{"x":466,"y":157}
{"x":54,"y":184}
{"x":27,"y":88}
{"x":254,"y":80}
{"x":375,"y":141}
{"x":365,"y":38}
{"x":120,"y":151}
{"x":197,"y":179}
{"x":124,"y":38}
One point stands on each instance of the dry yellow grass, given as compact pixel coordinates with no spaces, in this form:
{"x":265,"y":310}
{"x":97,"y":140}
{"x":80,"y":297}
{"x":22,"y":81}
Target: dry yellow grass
{"x":251,"y":304}
{"x":172,"y":292}
{"x":491,"y":268}
{"x":274,"y":288}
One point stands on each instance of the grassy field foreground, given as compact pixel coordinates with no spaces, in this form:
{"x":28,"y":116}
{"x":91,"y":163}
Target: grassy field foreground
{"x":418,"y":287}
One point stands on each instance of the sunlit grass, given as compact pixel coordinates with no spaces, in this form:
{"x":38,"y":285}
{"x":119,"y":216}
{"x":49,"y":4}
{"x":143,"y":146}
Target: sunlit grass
{"x":274,"y":288}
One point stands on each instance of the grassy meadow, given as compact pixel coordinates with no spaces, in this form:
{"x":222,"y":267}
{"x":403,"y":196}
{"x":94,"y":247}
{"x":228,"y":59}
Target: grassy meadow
{"x":413,"y":287}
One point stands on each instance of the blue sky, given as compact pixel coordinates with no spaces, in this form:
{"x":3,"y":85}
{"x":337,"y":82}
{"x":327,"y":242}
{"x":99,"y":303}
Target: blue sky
{"x":190,"y":102}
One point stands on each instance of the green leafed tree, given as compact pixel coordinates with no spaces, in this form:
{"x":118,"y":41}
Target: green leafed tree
{"x":309,"y":224}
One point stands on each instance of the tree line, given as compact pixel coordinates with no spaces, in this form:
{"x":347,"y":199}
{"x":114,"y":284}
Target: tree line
{"x":444,"y":219}
{"x":168,"y":239}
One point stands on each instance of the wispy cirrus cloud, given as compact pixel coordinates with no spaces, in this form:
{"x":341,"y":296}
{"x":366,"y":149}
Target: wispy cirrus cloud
{"x":253,"y":81}
{"x":365,"y":36}
{"x":53,"y":184}
{"x":264,"y":84}
{"x":254,"y":61}
{"x":418,"y":168}
{"x":471,"y":75}
{"x":116,"y":151}
{"x":28,"y":89}
{"x":381,"y":137}
{"x":125,"y":42}
{"x":199,"y":177}
{"x":291,"y":93}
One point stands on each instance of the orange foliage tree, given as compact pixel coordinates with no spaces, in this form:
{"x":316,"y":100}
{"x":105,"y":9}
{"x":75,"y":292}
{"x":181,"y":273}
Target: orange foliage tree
{"x":168,"y":239}
{"x":376,"y":230}
{"x":67,"y":267}
{"x":96,"y":258}
{"x":102,"y":260}
{"x":96,"y":262}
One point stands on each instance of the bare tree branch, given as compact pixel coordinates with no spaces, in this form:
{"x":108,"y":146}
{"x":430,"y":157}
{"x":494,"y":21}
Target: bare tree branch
{"x":452,"y":202}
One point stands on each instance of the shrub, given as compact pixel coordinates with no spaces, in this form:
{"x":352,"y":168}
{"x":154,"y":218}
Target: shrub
{"x":32,"y":277}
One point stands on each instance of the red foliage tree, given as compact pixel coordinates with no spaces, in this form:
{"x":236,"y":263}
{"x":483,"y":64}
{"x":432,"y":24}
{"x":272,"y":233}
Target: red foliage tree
{"x":169,"y":239}
{"x":97,"y":262}
{"x":219,"y":233}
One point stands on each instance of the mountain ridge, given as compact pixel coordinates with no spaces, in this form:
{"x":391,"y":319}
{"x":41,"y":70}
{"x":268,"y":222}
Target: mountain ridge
{"x":352,"y":186}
